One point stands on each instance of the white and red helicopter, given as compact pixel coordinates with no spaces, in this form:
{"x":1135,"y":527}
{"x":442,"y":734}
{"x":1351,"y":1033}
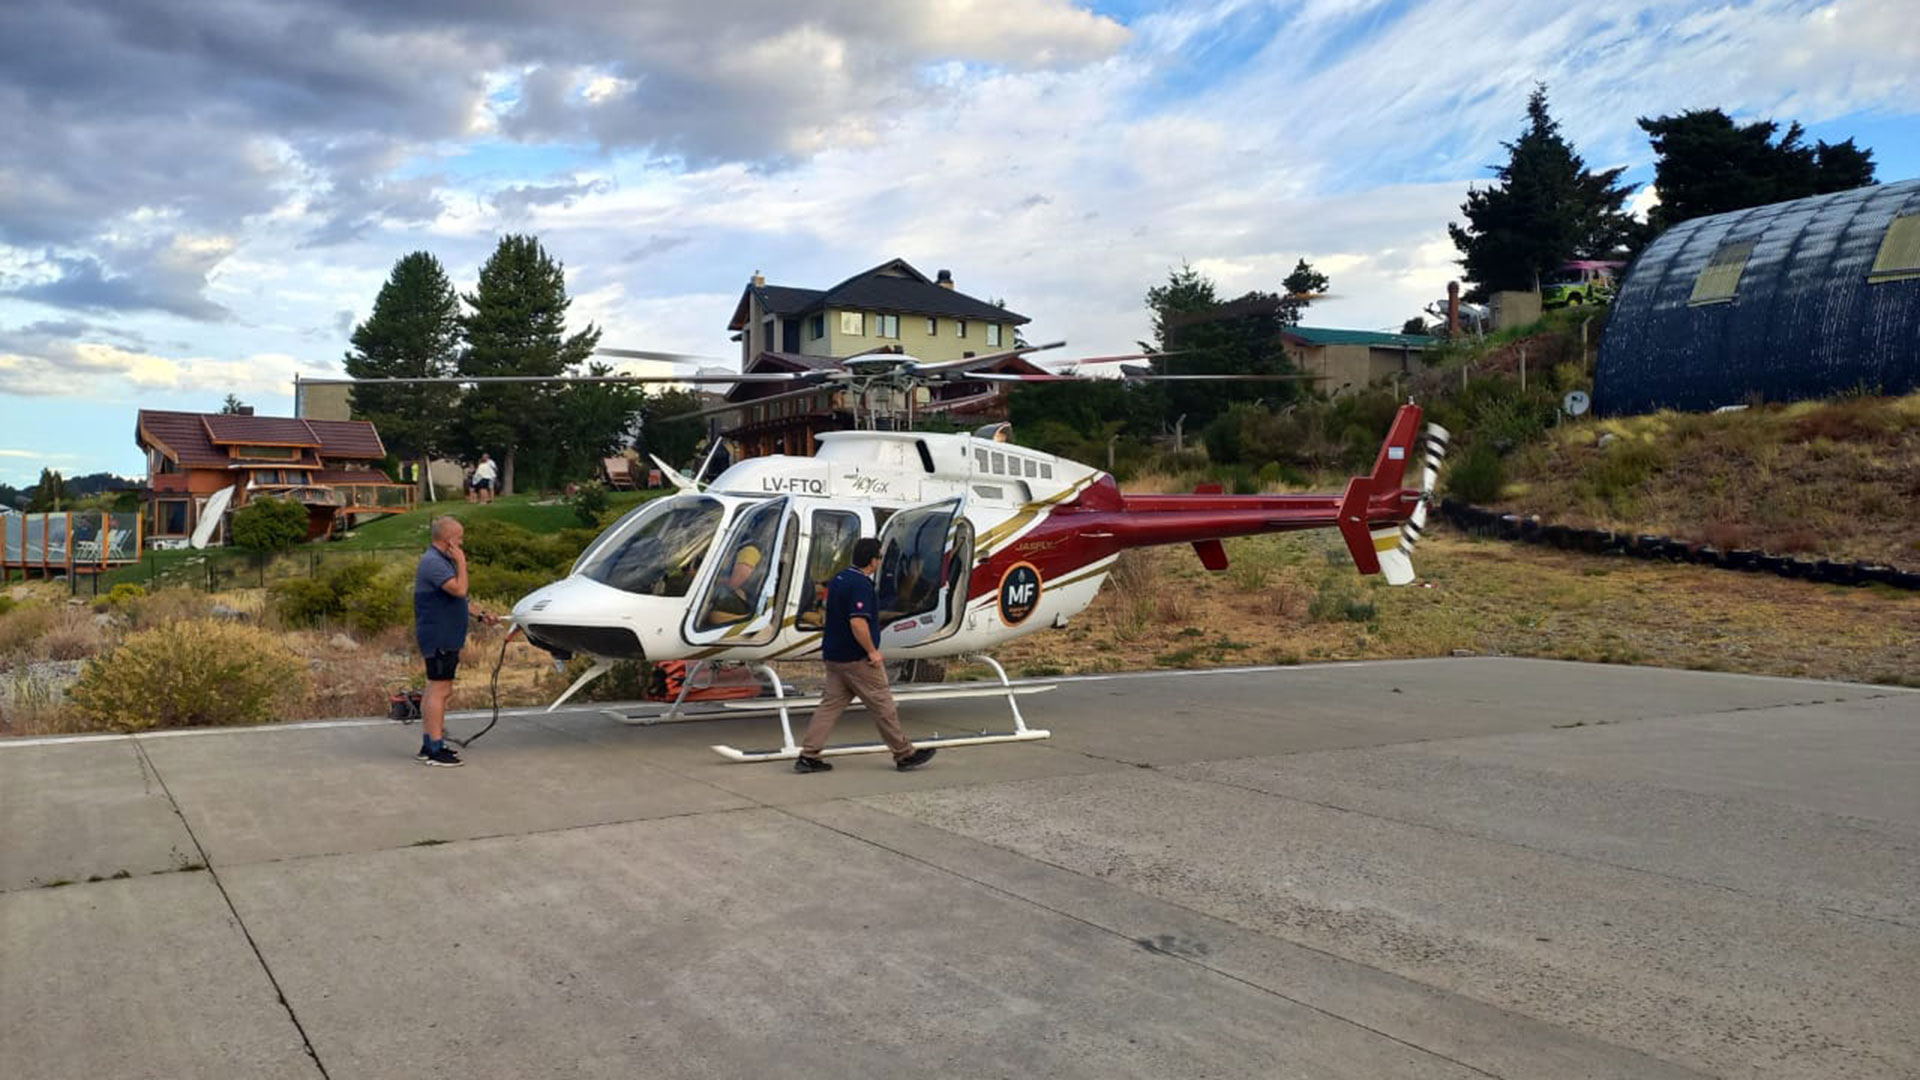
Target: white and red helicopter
{"x":983,"y":541}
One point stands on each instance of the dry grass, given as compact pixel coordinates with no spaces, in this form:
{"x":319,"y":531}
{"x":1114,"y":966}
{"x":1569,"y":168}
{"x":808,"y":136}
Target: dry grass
{"x":1836,"y":479}
{"x":1488,"y":598}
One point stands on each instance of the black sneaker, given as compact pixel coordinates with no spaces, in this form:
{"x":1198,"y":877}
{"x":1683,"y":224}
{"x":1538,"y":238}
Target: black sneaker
{"x":914,"y":760}
{"x":804,"y":764}
{"x":442,"y":757}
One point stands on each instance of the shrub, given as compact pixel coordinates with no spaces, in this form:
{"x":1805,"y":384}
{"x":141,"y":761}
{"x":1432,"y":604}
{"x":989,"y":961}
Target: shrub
{"x":1337,"y":601}
{"x":23,"y":626}
{"x":190,"y":674}
{"x":7,"y":603}
{"x":125,"y":593}
{"x":589,"y":503}
{"x":374,"y":602}
{"x":1478,"y":475}
{"x":269,"y":525}
{"x":363,"y":594}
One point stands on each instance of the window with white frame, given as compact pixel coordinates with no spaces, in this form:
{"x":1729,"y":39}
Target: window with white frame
{"x":887,"y":326}
{"x":817,"y":327}
{"x":933,"y":326}
{"x":993,"y":333}
{"x":959,"y":328}
{"x":853,"y":322}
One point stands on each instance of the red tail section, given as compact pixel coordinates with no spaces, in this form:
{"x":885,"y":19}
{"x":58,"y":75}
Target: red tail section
{"x":1390,"y":468}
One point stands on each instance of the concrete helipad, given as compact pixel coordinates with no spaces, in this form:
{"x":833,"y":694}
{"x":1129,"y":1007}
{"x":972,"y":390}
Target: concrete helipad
{"x":1450,"y":868}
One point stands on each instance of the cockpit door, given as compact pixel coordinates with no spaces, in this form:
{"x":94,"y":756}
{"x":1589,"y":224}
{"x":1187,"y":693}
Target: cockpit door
{"x":926,"y":553}
{"x":741,"y":603}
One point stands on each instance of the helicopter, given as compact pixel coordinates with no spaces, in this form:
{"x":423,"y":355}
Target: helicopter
{"x":982,"y":541}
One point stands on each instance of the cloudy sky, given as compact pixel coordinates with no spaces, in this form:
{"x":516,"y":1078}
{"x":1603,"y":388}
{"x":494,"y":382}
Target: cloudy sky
{"x":203,"y":198}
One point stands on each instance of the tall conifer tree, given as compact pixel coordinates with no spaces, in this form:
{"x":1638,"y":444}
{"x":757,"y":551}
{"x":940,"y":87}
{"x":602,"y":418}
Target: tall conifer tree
{"x":414,"y":332}
{"x":1545,"y":209}
{"x":516,"y":325}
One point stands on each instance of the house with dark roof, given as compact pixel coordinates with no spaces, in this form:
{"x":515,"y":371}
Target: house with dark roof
{"x":328,"y":465}
{"x":891,"y":307}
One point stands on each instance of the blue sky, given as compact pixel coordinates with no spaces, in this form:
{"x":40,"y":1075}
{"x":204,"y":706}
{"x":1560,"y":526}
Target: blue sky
{"x":199,"y":200}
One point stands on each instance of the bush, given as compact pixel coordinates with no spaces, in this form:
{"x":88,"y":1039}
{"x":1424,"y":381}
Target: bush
{"x":191,"y":674}
{"x":7,"y":603}
{"x":269,"y":525}
{"x":379,"y":601}
{"x":363,"y":594}
{"x":1478,"y":475}
{"x":589,"y":503}
{"x":125,"y":593}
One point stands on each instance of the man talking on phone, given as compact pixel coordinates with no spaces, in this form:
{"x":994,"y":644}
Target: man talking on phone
{"x":440,"y":614}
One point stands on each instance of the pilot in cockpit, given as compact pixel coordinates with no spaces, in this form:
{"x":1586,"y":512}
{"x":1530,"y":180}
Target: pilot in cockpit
{"x":732,"y":600}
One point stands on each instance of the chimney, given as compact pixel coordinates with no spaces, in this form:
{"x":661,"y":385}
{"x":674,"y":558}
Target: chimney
{"x":1453,"y":309}
{"x":758,"y":279}
{"x":245,"y":410}
{"x":944,"y":279}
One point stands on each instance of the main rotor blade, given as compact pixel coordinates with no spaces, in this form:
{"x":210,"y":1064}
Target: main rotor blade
{"x":1219,"y":378}
{"x":669,"y":357}
{"x":463,"y":380}
{"x":971,"y":362}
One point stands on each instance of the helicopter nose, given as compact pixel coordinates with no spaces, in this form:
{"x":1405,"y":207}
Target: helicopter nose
{"x":578,"y":615}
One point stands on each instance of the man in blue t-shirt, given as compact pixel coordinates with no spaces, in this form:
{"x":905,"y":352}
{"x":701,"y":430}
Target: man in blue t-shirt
{"x":851,"y":648}
{"x":440,"y":614}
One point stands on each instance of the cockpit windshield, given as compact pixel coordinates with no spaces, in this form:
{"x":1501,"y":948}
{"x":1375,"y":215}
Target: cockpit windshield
{"x":660,"y":550}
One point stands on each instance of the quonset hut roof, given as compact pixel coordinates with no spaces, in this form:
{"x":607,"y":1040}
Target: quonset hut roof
{"x":1794,"y":300}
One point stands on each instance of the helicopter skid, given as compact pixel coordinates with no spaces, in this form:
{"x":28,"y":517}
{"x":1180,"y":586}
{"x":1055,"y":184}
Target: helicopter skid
{"x":788,"y":753}
{"x":789,"y":749}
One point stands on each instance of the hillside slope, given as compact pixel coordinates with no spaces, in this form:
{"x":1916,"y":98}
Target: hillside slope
{"x":1837,"y":479}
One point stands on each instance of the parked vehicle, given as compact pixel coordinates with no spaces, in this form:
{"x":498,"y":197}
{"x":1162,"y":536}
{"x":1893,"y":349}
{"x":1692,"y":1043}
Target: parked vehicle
{"x":1585,"y":281}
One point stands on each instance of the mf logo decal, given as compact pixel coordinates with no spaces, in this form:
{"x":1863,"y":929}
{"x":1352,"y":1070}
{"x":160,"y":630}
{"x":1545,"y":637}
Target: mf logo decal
{"x":1019,"y":593}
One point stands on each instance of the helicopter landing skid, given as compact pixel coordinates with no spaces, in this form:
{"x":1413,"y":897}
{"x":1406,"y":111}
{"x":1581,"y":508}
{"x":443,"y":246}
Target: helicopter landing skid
{"x":789,"y":750}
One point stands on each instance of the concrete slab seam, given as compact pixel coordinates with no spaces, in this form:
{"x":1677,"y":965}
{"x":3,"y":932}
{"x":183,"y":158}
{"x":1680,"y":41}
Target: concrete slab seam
{"x":213,"y":873}
{"x":1090,"y":924}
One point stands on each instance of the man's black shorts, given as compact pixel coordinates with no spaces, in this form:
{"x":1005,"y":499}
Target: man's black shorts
{"x":483,"y":485}
{"x":442,"y":665}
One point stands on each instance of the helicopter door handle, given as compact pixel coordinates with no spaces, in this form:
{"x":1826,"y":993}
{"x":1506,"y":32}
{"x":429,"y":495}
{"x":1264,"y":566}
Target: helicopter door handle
{"x":1100,"y":535}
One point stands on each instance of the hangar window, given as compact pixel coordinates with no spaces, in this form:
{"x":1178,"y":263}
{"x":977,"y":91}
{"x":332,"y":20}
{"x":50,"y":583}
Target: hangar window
{"x":1899,"y":258}
{"x":1720,"y":281}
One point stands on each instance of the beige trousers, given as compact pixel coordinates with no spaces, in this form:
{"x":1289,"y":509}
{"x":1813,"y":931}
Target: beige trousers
{"x":845,"y":682}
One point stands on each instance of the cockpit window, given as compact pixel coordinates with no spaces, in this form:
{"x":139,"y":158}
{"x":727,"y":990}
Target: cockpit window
{"x":660,"y":552}
{"x":743,"y":586}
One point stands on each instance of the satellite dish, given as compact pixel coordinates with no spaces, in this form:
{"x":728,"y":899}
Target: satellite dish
{"x":1576,"y":402}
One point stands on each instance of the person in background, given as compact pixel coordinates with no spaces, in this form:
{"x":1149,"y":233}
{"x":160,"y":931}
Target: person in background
{"x":486,"y":477}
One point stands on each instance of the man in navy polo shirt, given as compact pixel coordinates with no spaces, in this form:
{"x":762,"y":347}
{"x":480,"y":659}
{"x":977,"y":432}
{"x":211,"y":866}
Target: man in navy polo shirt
{"x":850,"y":646}
{"x":440,"y":614}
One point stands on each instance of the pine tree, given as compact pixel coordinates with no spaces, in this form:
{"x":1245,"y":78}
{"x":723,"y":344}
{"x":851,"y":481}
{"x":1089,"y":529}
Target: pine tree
{"x":233,"y":406}
{"x":414,"y":332}
{"x":1707,"y":164}
{"x":1238,"y":337}
{"x":1545,"y":209}
{"x":516,"y":325}
{"x":50,"y":494}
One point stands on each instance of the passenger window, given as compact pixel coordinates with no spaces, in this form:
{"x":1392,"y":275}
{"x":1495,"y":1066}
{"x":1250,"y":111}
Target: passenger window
{"x":834,"y":533}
